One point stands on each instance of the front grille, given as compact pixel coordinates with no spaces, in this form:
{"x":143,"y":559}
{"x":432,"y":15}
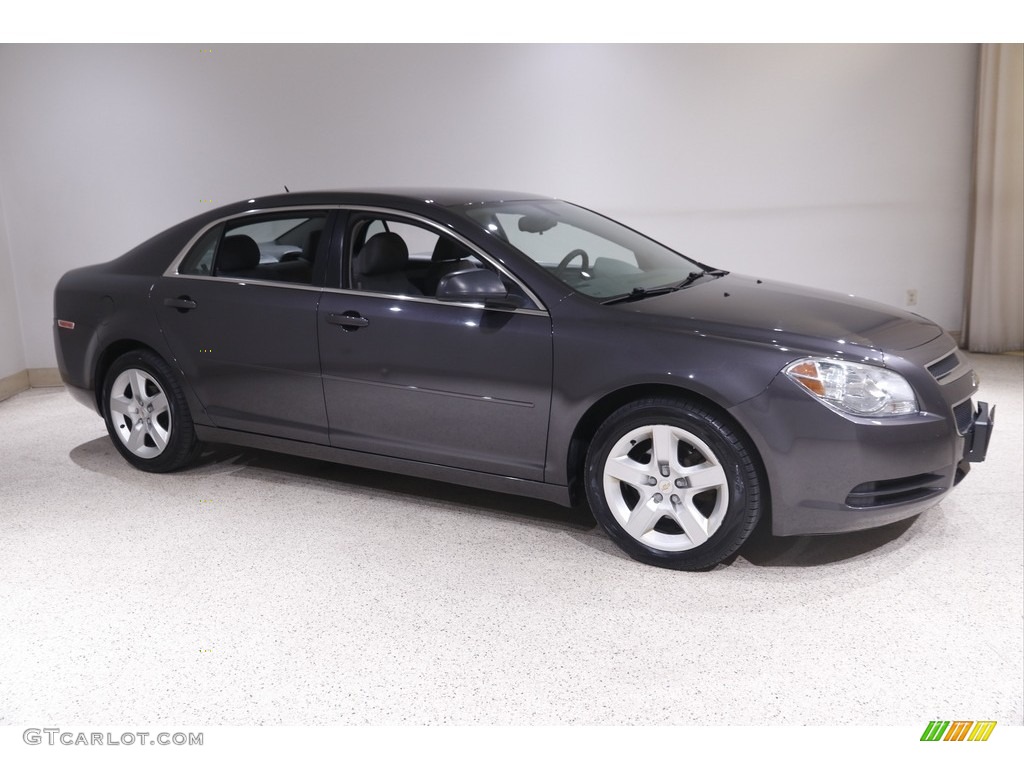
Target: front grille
{"x":879,"y":493}
{"x":944,"y":366}
{"x":964,"y":415}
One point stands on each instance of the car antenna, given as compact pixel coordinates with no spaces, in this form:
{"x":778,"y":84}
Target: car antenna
{"x":286,"y":189}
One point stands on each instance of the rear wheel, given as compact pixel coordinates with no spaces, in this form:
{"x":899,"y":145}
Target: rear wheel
{"x":673,"y":483}
{"x":146,"y":413}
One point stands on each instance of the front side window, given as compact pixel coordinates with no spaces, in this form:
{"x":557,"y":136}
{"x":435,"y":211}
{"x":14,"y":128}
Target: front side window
{"x":277,"y":248}
{"x":592,"y":254}
{"x":405,"y":258}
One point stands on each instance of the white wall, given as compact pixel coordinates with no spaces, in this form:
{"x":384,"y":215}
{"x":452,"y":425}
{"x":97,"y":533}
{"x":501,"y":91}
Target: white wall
{"x":12,"y":355}
{"x":838,"y":166}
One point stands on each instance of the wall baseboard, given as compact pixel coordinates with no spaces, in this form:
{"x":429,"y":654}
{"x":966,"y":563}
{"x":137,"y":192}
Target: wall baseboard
{"x":44,"y":377}
{"x":30,"y":377}
{"x":13,"y":384}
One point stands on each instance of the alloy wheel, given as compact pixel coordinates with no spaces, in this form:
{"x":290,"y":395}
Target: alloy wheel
{"x":665,"y":487}
{"x":140,"y":413}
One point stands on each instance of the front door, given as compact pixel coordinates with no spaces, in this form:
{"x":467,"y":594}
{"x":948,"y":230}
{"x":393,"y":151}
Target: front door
{"x":408,"y":376}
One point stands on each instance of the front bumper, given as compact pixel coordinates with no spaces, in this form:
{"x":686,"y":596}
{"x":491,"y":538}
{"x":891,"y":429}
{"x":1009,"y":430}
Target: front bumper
{"x":831,"y":474}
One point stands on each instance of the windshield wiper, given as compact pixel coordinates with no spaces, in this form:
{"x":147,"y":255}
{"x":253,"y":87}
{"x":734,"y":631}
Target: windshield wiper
{"x":636,"y":293}
{"x":643,"y":293}
{"x":690,"y":278}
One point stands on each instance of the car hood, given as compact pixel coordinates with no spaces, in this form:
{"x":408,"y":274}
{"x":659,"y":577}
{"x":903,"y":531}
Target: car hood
{"x":780,"y":313}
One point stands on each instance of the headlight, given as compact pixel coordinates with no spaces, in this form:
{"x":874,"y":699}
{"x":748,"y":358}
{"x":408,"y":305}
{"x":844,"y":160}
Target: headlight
{"x":860,"y":390}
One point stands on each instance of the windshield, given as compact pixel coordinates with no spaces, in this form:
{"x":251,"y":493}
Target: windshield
{"x":588,"y":252}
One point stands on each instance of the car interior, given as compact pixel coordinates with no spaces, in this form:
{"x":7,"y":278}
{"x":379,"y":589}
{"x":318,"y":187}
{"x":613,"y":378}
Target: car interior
{"x":247,"y":252}
{"x":389,"y":256}
{"x":384,"y":265}
{"x":240,"y":256}
{"x":394,"y":257}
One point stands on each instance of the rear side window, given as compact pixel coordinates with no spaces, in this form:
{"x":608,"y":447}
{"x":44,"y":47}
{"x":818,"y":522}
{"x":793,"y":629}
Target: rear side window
{"x":277,"y":248}
{"x":200,"y":259}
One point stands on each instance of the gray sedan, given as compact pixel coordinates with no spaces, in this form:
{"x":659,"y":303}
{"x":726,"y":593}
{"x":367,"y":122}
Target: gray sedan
{"x":526,"y":345}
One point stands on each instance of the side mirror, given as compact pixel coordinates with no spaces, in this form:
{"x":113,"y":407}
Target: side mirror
{"x":476,"y":286}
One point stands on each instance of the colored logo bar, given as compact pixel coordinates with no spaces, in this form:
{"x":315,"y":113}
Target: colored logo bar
{"x":958,"y":730}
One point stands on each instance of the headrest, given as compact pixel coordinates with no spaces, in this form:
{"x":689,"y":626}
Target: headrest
{"x":237,"y":252}
{"x":449,"y":250}
{"x":384,"y":252}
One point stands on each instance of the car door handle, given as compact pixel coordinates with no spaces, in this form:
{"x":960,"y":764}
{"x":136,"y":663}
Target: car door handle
{"x":182,"y":303}
{"x":348,"y":320}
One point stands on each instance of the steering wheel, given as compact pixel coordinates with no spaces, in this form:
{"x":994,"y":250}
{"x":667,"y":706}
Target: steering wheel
{"x":560,"y":269}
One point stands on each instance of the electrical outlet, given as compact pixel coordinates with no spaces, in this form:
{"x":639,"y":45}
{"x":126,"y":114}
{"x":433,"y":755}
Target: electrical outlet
{"x":911,"y":297}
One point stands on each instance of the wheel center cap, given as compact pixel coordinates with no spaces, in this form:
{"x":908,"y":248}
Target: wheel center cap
{"x":666,"y":485}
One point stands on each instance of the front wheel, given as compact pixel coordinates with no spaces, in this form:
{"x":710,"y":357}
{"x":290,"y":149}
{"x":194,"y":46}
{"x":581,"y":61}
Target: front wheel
{"x":673,"y":483}
{"x":146,"y":413}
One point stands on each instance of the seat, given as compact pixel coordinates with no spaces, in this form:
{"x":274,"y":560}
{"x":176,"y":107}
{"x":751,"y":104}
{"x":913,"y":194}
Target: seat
{"x":448,"y":256}
{"x":238,"y":256}
{"x":312,"y":245}
{"x":381,"y":266}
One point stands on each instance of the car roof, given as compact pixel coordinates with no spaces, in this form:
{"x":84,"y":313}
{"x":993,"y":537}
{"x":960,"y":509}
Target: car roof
{"x":442,"y":196}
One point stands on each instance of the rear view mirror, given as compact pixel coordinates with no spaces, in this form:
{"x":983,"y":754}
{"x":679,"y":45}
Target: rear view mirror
{"x":536,"y":223}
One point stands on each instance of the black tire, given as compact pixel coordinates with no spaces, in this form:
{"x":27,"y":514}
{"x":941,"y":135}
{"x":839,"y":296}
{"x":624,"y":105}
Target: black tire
{"x":711,"y":482}
{"x":146,"y":413}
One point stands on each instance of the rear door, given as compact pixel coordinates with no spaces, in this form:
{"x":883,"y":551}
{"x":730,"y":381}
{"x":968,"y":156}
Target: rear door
{"x":239,"y":314}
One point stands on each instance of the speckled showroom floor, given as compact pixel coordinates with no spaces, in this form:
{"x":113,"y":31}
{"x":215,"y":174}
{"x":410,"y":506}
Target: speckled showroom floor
{"x":262,"y":589}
